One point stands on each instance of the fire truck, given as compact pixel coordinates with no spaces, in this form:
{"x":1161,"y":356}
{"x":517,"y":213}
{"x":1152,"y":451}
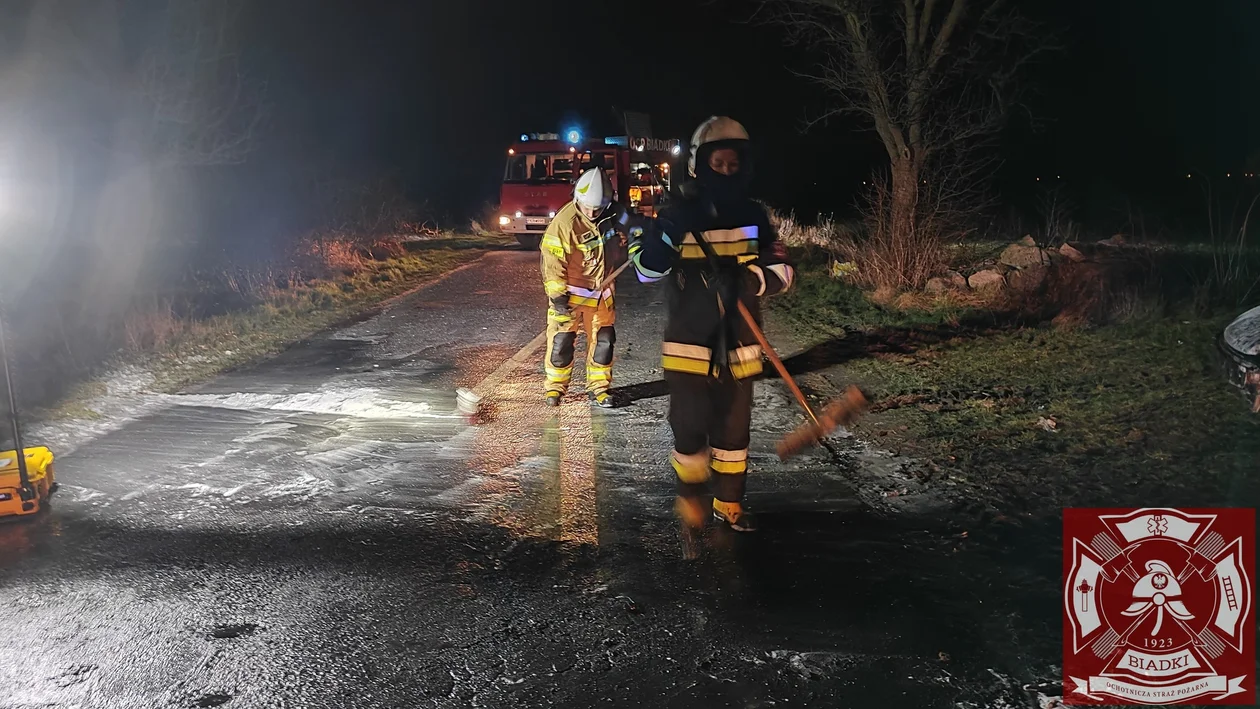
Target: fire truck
{"x":543,"y":167}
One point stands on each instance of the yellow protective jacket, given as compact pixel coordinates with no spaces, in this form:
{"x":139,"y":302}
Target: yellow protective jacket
{"x":576,"y":258}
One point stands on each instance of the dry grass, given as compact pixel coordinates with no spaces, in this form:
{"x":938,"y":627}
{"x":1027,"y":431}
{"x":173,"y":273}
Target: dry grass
{"x":152,"y":326}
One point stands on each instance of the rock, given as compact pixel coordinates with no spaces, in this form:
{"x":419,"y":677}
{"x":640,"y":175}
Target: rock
{"x":1021,"y":256}
{"x":1114,"y":240}
{"x":936,"y":286}
{"x":1027,"y":241}
{"x":1028,"y":279}
{"x":987,"y":279}
{"x":1071,"y":253}
{"x":956,"y":279}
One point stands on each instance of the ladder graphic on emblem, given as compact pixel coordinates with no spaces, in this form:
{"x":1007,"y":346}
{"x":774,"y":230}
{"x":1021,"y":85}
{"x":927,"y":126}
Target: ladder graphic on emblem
{"x":1230,"y":598}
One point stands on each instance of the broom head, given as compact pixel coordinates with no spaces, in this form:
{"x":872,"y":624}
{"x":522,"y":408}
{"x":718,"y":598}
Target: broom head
{"x":840,"y":412}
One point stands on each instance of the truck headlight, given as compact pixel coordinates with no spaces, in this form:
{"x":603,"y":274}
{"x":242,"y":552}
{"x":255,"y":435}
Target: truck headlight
{"x":519,"y":215}
{"x":551,"y":215}
{"x":504,"y":220}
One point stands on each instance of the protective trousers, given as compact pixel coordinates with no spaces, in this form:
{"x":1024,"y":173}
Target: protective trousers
{"x":597,"y":321}
{"x":710,"y":417}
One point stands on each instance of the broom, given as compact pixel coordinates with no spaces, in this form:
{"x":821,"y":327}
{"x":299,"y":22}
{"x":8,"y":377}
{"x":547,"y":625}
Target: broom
{"x":468,"y":402}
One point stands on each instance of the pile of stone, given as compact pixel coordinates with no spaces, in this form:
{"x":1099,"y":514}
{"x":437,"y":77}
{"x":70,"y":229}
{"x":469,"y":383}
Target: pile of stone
{"x":1023,"y":266}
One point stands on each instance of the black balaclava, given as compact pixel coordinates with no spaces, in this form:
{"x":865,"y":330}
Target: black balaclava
{"x":724,"y":189}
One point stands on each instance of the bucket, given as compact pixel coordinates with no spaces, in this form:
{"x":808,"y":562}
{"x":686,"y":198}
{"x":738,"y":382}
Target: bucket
{"x":467,"y":402}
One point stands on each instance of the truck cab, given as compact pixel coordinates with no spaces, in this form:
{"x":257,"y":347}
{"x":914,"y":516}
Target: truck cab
{"x":542,"y":168}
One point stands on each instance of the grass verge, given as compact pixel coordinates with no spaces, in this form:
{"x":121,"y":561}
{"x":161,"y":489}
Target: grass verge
{"x":1038,"y":418}
{"x":186,"y":351}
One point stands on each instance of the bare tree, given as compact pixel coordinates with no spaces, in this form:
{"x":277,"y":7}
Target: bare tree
{"x":166,"y":73}
{"x":935,"y":78}
{"x":196,"y":103}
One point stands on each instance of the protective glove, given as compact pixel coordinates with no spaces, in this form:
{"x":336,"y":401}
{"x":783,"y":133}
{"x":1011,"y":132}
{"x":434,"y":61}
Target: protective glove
{"x":754,"y":279}
{"x":560,"y":306}
{"x":725,"y":283}
{"x":613,"y":222}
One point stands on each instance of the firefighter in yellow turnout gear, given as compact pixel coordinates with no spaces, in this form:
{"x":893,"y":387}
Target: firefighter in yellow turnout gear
{"x":578,"y":253}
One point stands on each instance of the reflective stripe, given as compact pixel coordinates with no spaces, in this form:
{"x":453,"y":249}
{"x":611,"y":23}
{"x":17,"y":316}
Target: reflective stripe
{"x":560,"y":374}
{"x":693,"y":359}
{"x":682,"y":364}
{"x":725,"y":236}
{"x":551,"y":242}
{"x":588,"y":293}
{"x":730,"y":462}
{"x":785,"y":273}
{"x":646,"y":275}
{"x":731,"y":467}
{"x":739,"y":248}
{"x":761,"y":277}
{"x":595,"y":373}
{"x":690,"y":469}
{"x":677,"y":349}
{"x":579,"y":300}
{"x":744,"y":370}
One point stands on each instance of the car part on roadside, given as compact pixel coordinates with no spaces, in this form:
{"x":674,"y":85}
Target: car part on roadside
{"x":1239,"y":346}
{"x":26,"y":474}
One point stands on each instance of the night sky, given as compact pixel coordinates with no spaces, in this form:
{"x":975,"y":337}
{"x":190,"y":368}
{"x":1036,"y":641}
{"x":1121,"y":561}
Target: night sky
{"x":434,"y":92}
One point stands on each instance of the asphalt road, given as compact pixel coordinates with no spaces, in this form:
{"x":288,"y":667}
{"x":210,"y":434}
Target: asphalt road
{"x":323,"y":530}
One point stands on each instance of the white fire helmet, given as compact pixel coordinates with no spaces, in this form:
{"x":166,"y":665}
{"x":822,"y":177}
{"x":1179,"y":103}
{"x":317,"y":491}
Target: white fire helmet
{"x":594,"y":191}
{"x":715,"y":129}
{"x":1158,"y":590}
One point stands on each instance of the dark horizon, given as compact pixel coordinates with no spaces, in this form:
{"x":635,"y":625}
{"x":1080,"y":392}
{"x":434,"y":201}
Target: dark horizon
{"x":1138,"y":95}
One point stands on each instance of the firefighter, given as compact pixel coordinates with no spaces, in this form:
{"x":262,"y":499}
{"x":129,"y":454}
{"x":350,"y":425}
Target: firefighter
{"x":577,"y":253}
{"x":709,"y":354}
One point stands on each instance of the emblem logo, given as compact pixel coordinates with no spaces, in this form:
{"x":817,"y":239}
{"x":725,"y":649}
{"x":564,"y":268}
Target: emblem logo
{"x":1158,"y":606}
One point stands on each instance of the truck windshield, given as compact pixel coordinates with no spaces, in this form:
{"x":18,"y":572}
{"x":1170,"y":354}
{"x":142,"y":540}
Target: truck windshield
{"x":563,"y":168}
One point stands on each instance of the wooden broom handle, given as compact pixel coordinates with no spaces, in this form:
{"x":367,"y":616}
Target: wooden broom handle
{"x":774,"y":359}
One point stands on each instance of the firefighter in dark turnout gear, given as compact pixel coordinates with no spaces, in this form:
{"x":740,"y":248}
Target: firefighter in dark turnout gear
{"x":713,"y":249}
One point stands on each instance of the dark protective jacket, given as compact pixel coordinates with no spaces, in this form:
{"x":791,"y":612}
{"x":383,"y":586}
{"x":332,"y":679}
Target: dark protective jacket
{"x":705,"y":334}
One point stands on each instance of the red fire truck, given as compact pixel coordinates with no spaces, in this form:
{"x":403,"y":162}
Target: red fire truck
{"x":542,"y":168}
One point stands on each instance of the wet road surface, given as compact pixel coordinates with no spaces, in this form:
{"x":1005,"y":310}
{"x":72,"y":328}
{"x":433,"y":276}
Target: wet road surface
{"x":323,"y":530}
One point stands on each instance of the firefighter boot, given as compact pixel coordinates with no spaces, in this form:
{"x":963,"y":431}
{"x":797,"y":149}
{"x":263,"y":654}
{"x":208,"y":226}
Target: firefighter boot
{"x":734,"y":515}
{"x":690,"y":511}
{"x":553,"y":398}
{"x":603,"y":399}
{"x":692,"y":471}
{"x":730,"y":468}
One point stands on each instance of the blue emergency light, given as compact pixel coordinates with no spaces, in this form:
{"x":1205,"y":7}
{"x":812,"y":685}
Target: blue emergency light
{"x":574,"y":136}
{"x":524,"y":137}
{"x":621,"y":140}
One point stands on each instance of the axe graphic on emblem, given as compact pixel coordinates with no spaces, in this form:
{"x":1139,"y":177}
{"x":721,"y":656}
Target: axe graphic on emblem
{"x":1118,"y":561}
{"x":1201,"y":558}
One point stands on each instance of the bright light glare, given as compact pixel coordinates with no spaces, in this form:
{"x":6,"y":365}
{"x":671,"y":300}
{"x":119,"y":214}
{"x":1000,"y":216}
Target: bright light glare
{"x":519,"y":215}
{"x":575,"y":136}
{"x":511,"y":151}
{"x":504,"y":220}
{"x":675,"y":150}
{"x":551,"y":215}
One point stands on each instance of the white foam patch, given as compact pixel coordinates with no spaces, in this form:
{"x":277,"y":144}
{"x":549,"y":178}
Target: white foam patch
{"x":304,"y":488}
{"x":126,"y":398}
{"x":199,"y":490}
{"x":357,"y":403}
